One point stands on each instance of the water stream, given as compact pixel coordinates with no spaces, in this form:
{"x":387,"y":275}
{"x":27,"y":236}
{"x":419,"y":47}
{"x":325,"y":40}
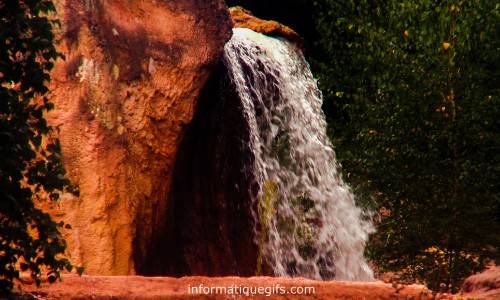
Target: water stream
{"x":307,"y":222}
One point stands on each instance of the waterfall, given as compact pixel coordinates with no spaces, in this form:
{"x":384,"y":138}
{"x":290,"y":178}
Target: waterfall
{"x":307,"y":223}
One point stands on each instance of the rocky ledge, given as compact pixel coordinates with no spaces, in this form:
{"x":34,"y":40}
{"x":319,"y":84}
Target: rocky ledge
{"x":136,"y":287}
{"x":482,"y":286}
{"x":243,"y":18}
{"x":485,"y":285}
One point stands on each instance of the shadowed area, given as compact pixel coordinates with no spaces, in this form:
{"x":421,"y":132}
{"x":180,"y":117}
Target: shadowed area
{"x":209,"y":228}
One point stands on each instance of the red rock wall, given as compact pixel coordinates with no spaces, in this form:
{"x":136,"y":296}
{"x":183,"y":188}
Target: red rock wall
{"x":123,"y":97}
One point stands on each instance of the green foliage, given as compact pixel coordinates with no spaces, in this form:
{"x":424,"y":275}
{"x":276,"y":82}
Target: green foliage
{"x":412,"y":91}
{"x":30,"y":166}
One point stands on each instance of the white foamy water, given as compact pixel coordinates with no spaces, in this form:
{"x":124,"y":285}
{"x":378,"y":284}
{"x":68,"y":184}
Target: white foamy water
{"x":309,"y":223}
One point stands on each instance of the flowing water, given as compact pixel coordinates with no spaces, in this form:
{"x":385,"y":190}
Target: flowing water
{"x":307,"y":223}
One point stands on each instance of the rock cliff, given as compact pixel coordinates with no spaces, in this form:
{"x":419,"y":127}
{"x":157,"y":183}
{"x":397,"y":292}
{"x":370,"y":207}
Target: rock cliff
{"x":123,"y":96}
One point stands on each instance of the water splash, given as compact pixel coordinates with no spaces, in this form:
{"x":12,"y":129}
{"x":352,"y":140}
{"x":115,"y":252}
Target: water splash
{"x":309,"y":223}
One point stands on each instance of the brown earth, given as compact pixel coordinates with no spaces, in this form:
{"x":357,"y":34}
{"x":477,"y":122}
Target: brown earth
{"x":135,"y":287}
{"x":243,"y":18}
{"x":123,"y":96}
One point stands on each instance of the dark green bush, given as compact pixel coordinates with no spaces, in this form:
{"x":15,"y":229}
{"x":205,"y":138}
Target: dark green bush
{"x":30,"y":166}
{"x":412,"y":93}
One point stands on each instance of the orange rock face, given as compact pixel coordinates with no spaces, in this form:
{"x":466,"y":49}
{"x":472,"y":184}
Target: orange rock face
{"x":243,"y":18}
{"x":123,"y":96}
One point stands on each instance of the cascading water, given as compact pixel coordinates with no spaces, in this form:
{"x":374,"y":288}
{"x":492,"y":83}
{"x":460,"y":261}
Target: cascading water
{"x":309,"y":224}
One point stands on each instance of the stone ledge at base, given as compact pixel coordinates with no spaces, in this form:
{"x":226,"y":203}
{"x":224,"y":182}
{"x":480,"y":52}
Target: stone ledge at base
{"x":136,"y":287}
